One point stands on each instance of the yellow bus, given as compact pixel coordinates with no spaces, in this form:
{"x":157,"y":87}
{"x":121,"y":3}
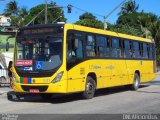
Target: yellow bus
{"x":68,"y":58}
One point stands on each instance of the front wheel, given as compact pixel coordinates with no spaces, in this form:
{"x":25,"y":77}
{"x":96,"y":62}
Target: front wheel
{"x":89,"y":88}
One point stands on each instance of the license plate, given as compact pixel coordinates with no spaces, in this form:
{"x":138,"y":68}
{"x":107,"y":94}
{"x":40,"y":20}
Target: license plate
{"x":34,"y":91}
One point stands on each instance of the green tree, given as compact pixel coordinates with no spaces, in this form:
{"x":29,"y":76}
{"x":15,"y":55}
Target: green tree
{"x":130,"y":19}
{"x":16,"y":13}
{"x":145,"y":21}
{"x":154,"y":28}
{"x":12,"y":8}
{"x":23,"y":12}
{"x":54,"y":13}
{"x":128,"y":24}
{"x":138,"y":23}
{"x":89,"y":20}
{"x":87,"y":16}
{"x":126,"y":29}
{"x":129,"y":7}
{"x":21,"y":16}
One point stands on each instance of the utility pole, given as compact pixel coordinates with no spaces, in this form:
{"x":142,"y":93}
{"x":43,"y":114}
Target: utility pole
{"x":105,"y":24}
{"x":105,"y":17}
{"x":46,"y":20}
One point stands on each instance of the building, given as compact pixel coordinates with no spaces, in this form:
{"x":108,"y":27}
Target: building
{"x":5,"y":21}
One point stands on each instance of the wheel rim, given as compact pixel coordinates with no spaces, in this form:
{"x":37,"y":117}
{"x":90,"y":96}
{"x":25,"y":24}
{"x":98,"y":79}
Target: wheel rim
{"x":136,"y":84}
{"x":90,"y":88}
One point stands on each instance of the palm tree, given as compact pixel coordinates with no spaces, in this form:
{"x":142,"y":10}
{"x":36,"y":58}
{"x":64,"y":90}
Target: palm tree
{"x":154,"y":28}
{"x":21,"y":15}
{"x":12,"y":8}
{"x":148,"y":23}
{"x":129,"y":7}
{"x":16,"y":13}
{"x":23,"y":12}
{"x":144,"y":22}
{"x":150,"y":26}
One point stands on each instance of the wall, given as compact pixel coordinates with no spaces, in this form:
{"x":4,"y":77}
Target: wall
{"x":3,"y":38}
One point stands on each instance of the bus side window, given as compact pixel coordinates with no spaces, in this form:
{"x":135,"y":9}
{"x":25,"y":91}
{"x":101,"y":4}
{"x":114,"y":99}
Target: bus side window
{"x":127,"y":49}
{"x":90,"y":48}
{"x":136,"y":50}
{"x":103,"y":48}
{"x":147,"y":51}
{"x":75,"y":45}
{"x":70,"y":45}
{"x":145,"y":54}
{"x":79,"y":51}
{"x":150,"y":51}
{"x":141,"y":49}
{"x":116,"y":50}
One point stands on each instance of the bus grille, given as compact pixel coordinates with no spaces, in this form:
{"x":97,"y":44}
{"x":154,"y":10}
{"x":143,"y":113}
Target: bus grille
{"x":40,"y":88}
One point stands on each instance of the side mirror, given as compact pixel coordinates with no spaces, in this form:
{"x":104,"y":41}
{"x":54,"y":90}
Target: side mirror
{"x":76,"y":44}
{"x":7,"y":46}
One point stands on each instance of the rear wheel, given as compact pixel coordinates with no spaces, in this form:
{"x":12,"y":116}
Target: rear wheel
{"x":46,"y":96}
{"x":136,"y":82}
{"x":89,"y":88}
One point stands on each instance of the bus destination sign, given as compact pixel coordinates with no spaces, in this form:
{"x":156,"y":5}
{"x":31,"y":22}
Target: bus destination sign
{"x":38,"y":31}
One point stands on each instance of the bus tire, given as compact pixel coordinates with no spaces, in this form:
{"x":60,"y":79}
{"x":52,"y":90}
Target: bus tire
{"x":89,"y":88}
{"x":46,"y":95}
{"x":136,"y":82}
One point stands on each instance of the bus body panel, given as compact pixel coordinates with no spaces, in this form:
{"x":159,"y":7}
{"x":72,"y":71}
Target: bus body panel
{"x":76,"y":78}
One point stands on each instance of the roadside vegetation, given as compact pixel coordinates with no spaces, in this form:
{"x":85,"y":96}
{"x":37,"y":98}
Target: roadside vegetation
{"x":129,"y":21}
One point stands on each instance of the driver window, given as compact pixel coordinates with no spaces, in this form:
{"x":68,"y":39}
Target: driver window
{"x":70,"y":45}
{"x":75,"y":45}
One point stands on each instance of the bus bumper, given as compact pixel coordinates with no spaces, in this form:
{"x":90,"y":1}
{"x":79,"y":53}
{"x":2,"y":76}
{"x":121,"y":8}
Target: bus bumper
{"x":59,"y":87}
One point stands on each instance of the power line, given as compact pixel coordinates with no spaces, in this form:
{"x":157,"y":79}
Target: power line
{"x":110,"y":13}
{"x":88,"y":11}
{"x":115,"y":9}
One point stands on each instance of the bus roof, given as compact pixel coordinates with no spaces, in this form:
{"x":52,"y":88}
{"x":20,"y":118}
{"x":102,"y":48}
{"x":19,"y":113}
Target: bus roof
{"x":90,"y":30}
{"x":41,"y":26}
{"x":105,"y":32}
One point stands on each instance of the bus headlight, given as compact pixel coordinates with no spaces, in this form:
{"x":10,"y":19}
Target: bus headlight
{"x":58,"y":77}
{"x":15,"y":79}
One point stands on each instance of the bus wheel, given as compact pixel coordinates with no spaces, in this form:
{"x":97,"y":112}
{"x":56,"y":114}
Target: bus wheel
{"x":136,"y":82}
{"x":89,"y":88}
{"x":46,"y":95}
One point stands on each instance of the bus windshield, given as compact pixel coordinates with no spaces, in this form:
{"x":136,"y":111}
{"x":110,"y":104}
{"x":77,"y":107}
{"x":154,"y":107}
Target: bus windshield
{"x":38,"y":53}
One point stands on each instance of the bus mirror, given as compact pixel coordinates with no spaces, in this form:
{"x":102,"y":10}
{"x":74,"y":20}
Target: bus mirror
{"x":76,"y":44}
{"x":7,"y":46}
